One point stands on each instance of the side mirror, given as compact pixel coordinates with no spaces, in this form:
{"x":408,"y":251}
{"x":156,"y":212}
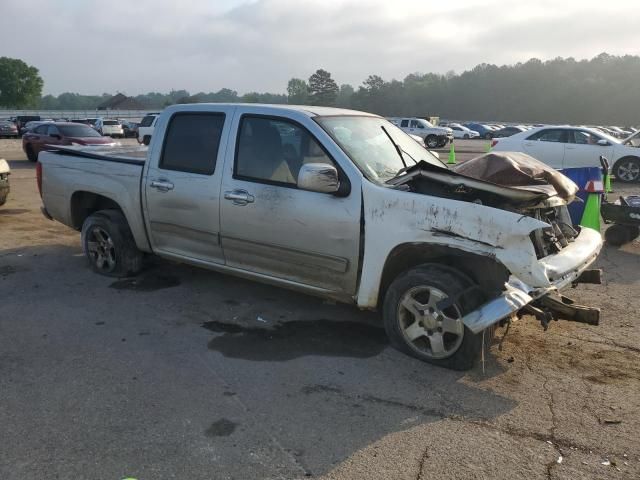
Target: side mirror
{"x":318,"y":177}
{"x":603,"y":143}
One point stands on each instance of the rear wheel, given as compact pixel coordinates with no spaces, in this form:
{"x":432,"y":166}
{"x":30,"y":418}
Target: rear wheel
{"x":109,"y":244}
{"x":423,"y":310}
{"x":466,"y":136}
{"x":146,"y":140}
{"x":627,"y":169}
{"x":31,"y":154}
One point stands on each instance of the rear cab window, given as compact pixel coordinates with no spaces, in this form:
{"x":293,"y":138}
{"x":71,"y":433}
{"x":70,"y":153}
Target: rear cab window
{"x":191,"y":142}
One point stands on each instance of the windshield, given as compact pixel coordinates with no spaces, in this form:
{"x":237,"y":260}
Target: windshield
{"x":368,"y":143}
{"x":77,"y":131}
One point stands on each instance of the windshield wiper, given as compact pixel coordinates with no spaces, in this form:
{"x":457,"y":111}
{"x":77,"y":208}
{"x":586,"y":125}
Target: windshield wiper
{"x":398,"y":149}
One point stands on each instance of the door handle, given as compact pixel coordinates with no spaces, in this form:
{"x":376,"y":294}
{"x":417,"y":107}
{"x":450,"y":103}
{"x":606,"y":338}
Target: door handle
{"x":161,"y":185}
{"x":239,"y":197}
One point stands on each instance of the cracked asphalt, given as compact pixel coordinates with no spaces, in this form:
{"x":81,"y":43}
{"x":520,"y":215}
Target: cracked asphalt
{"x":185,"y":373}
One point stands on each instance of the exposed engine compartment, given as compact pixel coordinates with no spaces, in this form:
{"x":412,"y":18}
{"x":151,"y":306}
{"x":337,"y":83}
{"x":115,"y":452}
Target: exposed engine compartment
{"x":518,"y":183}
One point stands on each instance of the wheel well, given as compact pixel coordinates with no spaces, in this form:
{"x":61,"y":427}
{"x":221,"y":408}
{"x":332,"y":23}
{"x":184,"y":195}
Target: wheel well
{"x":489,"y":274}
{"x":84,"y":204}
{"x":626,"y":157}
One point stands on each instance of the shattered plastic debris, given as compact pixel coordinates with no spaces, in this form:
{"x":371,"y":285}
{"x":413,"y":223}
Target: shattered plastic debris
{"x":606,"y":463}
{"x":260,"y":319}
{"x":559,"y":461}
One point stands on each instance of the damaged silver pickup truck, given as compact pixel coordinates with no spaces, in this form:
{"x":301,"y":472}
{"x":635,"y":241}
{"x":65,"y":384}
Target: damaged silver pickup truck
{"x":335,"y":203}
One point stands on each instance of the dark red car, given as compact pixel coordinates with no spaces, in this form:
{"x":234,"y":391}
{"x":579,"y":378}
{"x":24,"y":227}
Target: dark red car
{"x":48,"y":135}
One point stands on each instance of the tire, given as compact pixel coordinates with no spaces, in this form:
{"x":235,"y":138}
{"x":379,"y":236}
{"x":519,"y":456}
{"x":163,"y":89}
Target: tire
{"x":431,"y":141}
{"x":109,"y":246}
{"x":146,"y":140}
{"x":31,"y":155}
{"x":488,"y":136}
{"x":617,"y":235}
{"x":627,"y":169}
{"x":445,"y":342}
{"x":466,"y":136}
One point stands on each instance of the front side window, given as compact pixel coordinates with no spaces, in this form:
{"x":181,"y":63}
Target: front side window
{"x":552,"y":135}
{"x":191,"y":142}
{"x":404,"y":123}
{"x":414,"y":124}
{"x":41,"y":130}
{"x":369,"y":143}
{"x":273,"y":150}
{"x":582,"y":137}
{"x":53,"y":131}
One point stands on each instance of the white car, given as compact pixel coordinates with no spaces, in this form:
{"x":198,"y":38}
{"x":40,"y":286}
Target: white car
{"x":460,"y":131}
{"x":434,"y":137}
{"x":109,"y":128}
{"x":146,"y":127}
{"x":567,"y":147}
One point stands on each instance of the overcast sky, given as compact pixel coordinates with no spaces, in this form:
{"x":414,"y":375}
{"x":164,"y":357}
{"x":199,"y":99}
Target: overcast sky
{"x":138,"y":46}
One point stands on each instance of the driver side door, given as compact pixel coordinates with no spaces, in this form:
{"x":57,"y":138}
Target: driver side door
{"x":272,"y":228}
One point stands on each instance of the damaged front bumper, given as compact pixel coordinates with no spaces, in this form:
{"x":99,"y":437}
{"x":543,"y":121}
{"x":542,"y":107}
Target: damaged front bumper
{"x":561,"y":270}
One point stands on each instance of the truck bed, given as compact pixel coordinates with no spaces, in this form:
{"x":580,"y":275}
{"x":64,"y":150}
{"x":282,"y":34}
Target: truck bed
{"x":76,"y":173}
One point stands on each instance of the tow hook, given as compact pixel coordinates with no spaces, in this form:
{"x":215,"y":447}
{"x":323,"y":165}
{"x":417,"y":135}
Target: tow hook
{"x":558,"y":307}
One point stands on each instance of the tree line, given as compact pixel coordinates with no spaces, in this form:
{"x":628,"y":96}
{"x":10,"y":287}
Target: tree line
{"x":603,"y":89}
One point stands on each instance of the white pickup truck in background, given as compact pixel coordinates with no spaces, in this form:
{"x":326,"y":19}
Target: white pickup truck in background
{"x":335,"y":203}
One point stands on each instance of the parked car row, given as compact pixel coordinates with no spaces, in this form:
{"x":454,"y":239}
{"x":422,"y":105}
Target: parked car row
{"x":18,"y":126}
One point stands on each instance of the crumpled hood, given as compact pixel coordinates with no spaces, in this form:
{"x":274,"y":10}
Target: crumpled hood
{"x":492,"y":179}
{"x":515,"y":169}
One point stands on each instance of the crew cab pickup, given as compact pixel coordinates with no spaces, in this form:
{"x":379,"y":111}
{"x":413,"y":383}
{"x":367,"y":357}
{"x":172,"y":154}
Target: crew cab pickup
{"x":336,"y":203}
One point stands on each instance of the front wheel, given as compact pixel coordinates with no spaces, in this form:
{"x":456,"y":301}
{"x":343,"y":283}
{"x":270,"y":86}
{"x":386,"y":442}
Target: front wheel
{"x":109,"y":244}
{"x":146,"y":140}
{"x":488,"y":136}
{"x":423,"y":310}
{"x":627,"y":169}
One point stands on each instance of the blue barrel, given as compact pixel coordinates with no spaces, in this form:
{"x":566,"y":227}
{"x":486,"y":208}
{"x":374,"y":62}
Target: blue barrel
{"x":582,"y":177}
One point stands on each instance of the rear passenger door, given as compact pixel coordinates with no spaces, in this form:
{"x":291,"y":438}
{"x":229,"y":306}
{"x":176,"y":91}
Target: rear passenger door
{"x":548,"y":146}
{"x":272,"y":228}
{"x":182,"y":186}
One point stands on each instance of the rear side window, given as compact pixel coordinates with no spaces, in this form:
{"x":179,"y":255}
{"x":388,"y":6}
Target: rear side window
{"x":147,"y":121}
{"x":191,"y":142}
{"x":404,"y":123}
{"x":552,"y":135}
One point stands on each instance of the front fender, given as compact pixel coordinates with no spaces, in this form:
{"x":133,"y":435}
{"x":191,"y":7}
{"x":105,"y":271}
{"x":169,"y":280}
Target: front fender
{"x":393,"y":217}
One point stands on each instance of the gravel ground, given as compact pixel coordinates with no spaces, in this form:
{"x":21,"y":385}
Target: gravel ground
{"x":102,"y":379}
